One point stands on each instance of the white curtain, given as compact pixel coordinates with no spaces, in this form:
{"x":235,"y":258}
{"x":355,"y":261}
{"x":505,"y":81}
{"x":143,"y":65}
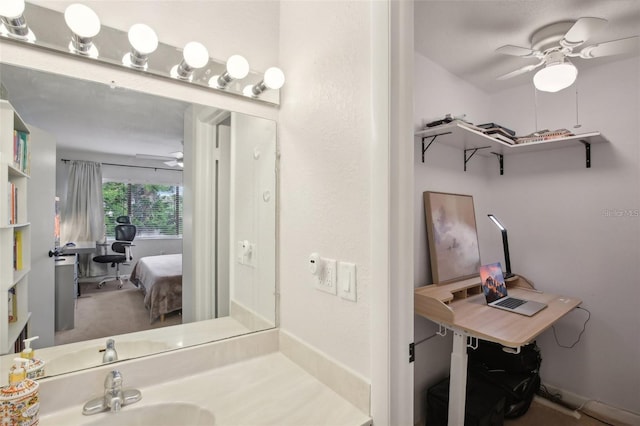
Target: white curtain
{"x":83,"y":217}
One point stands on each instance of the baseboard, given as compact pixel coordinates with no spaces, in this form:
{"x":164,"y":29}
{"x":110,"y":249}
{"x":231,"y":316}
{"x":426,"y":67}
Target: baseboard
{"x":599,"y":409}
{"x":250,"y":319}
{"x":345,"y":382}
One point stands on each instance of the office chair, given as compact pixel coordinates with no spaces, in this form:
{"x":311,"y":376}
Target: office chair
{"x":125,"y":233}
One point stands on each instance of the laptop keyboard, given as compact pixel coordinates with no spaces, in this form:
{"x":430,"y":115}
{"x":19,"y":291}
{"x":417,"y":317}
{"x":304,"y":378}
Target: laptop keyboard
{"x":510,"y":303}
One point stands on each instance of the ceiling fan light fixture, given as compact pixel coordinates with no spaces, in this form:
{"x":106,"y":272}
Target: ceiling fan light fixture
{"x":555,"y":76}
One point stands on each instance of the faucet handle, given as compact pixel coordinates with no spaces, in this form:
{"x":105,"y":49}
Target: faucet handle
{"x":113,"y":380}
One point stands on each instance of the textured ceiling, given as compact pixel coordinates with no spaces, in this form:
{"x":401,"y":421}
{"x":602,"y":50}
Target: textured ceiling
{"x":462,"y":36}
{"x":94,"y":117}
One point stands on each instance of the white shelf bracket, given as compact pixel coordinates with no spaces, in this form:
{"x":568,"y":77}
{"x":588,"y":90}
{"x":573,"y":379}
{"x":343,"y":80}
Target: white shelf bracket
{"x":442,"y":330}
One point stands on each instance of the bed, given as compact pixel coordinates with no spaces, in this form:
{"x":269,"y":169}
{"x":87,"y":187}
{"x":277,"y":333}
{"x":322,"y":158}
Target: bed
{"x":160,"y":277}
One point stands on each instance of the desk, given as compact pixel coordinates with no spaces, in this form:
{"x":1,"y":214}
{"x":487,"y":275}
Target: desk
{"x":461,"y":308}
{"x":81,"y":247}
{"x":66,"y":289}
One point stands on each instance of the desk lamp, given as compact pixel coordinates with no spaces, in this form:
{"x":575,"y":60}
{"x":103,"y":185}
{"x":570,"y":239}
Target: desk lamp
{"x":505,"y":244}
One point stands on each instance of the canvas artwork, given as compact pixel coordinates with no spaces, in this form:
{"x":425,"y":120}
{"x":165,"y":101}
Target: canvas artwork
{"x":452,"y":236}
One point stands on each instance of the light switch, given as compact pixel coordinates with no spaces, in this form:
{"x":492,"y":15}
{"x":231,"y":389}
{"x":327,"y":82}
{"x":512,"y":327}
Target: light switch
{"x":347,"y":281}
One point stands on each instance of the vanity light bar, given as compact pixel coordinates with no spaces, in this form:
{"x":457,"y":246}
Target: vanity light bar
{"x":84,"y":25}
{"x":13,"y":23}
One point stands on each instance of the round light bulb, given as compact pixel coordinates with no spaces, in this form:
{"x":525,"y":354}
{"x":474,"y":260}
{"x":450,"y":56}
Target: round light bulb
{"x":555,"y":77}
{"x":143,"y":39}
{"x":11,"y":8}
{"x":82,"y":20}
{"x":237,"y":67}
{"x":274,"y":78}
{"x":195,"y":54}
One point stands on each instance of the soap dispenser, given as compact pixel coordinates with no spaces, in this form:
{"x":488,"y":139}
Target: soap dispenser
{"x":19,"y":403}
{"x":35,"y":367}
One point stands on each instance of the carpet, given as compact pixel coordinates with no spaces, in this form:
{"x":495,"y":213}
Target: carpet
{"x":110,"y":311}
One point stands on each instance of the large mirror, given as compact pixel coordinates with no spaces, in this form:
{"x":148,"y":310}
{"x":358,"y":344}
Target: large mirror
{"x":199,"y":184}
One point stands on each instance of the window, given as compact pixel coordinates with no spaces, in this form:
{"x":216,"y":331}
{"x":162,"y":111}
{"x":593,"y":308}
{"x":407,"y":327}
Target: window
{"x":156,"y":210}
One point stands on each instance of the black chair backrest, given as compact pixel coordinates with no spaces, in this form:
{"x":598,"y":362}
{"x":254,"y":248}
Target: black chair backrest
{"x":125,"y":232}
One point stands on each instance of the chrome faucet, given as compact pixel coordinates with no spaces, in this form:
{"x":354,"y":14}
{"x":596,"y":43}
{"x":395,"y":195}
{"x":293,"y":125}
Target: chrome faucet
{"x":114,"y":398}
{"x":110,"y":354}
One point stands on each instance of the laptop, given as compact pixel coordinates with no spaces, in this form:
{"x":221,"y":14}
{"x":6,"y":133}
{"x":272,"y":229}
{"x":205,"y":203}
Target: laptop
{"x":495,"y":291}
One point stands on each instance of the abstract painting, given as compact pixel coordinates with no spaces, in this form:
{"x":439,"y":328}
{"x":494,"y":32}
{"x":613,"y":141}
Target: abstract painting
{"x":452,"y":236}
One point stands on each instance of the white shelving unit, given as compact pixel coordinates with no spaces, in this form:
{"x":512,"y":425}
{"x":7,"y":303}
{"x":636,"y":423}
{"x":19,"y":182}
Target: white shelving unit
{"x":13,"y":177}
{"x":472,"y":142}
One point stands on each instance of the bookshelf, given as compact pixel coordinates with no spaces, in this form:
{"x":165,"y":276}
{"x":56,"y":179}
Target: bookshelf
{"x":473,"y":142}
{"x":15,"y":229}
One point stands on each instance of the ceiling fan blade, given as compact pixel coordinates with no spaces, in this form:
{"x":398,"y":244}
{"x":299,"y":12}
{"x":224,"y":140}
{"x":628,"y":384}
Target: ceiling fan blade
{"x":583,"y":29}
{"x":610,"y":48}
{"x":154,"y":157}
{"x":520,"y":71}
{"x":517,"y":51}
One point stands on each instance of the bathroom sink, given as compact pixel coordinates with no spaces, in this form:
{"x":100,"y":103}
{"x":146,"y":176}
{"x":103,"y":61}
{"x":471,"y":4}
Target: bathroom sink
{"x":92,"y":357}
{"x":169,"y":414}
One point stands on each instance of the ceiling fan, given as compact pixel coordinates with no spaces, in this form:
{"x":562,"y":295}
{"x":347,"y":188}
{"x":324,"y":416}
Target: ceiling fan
{"x":174,"y":159}
{"x":555,"y":43}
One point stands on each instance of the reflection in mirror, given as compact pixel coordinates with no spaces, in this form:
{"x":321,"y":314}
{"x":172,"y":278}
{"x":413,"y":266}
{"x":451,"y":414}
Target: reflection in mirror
{"x":198,"y":183}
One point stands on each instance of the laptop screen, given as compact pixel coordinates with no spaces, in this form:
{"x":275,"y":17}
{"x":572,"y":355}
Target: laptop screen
{"x":493,"y":285}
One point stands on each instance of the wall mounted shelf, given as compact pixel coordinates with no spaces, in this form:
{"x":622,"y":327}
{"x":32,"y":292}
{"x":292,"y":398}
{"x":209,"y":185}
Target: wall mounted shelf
{"x":474,"y":142}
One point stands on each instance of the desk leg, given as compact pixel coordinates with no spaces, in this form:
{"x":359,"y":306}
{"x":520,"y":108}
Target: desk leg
{"x":458,"y":380}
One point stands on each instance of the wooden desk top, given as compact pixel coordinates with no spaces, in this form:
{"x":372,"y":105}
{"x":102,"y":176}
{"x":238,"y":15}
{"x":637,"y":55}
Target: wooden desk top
{"x":462,"y":305}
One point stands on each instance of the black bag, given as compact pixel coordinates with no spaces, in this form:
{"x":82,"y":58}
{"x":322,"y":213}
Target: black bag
{"x":494,"y":358}
{"x":517,"y":375}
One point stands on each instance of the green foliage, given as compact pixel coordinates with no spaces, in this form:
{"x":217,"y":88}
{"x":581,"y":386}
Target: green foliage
{"x":151,"y":207}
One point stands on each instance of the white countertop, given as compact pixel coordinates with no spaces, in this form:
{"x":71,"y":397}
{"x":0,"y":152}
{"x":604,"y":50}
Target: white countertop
{"x":265,"y":390}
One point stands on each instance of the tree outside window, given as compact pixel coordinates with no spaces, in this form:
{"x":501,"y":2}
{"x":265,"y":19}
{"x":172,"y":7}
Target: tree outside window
{"x":155,"y":210}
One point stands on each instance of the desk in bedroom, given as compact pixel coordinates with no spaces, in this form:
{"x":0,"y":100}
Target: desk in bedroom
{"x":461,"y":308}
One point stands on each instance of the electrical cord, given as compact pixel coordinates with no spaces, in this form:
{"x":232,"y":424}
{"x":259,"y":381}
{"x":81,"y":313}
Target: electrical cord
{"x":584,"y":327}
{"x":425,"y":339}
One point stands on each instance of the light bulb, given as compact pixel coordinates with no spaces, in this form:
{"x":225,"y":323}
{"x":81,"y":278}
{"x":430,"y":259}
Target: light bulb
{"x":143,"y":39}
{"x":274,"y":78}
{"x":195,"y":54}
{"x":82,"y":20}
{"x":555,"y":77}
{"x":11,"y":8}
{"x":237,"y":67}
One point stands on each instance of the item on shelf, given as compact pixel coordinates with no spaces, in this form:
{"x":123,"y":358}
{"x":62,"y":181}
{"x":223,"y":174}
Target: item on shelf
{"x":493,"y":126}
{"x":501,"y":135}
{"x":544,"y":135}
{"x":447,"y":119}
{"x":13,"y":305}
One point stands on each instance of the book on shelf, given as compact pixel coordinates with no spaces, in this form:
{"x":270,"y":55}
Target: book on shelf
{"x":21,"y":154}
{"x":544,"y":135}
{"x":13,"y":305}
{"x":502,"y":138}
{"x":488,"y":127}
{"x":12,"y":203}
{"x":17,"y":250}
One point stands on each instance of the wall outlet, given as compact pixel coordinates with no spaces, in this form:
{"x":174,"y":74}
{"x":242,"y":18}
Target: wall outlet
{"x":325,"y":280}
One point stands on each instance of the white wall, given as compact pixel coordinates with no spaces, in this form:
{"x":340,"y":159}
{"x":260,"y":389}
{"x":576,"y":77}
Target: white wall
{"x":253,"y":213}
{"x":438,"y":92}
{"x":325,"y":140}
{"x":555,"y":209}
{"x":566,"y":236}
